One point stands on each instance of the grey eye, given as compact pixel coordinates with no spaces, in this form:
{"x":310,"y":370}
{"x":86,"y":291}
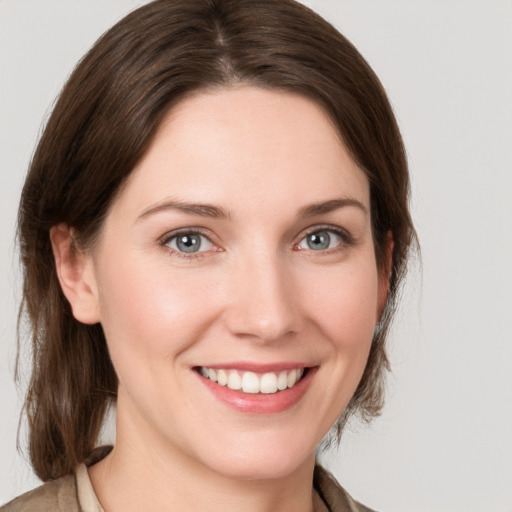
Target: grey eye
{"x":189,"y":243}
{"x":320,"y":240}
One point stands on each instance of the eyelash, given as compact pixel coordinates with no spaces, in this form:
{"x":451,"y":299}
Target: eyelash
{"x":347,"y":240}
{"x":168,"y":238}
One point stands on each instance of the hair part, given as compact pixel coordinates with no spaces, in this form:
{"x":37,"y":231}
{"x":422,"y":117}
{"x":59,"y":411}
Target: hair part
{"x":102,"y":125}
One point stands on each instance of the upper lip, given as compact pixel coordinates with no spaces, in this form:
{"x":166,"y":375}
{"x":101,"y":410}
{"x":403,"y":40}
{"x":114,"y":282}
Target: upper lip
{"x":249,"y":366}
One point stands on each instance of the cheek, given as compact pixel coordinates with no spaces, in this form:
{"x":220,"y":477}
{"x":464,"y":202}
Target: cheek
{"x":345,"y":304}
{"x":154,"y":311}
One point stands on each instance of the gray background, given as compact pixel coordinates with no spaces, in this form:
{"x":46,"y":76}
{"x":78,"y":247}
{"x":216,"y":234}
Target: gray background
{"x":444,"y":442}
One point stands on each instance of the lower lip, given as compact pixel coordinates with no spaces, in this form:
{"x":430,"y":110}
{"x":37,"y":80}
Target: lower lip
{"x":260,"y":403}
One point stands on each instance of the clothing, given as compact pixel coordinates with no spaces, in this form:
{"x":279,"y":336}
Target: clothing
{"x":74,"y":493}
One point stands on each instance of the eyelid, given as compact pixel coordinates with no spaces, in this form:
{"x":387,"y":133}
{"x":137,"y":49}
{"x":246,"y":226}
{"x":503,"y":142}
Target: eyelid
{"x":348,"y":239}
{"x":165,"y":239}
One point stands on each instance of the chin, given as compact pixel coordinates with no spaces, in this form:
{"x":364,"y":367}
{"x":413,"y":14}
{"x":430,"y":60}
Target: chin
{"x":262,"y":458}
{"x":261,"y":469}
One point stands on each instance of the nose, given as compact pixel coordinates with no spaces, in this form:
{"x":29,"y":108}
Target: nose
{"x":263,"y":302}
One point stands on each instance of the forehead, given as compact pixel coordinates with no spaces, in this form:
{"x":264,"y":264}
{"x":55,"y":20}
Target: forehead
{"x":244,"y":145}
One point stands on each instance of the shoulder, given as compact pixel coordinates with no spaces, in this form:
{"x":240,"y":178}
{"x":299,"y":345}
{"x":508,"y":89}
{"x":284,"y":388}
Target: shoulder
{"x":56,"y":496}
{"x":334,"y":495}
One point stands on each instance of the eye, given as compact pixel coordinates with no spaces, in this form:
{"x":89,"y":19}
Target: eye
{"x":321,"y":240}
{"x":189,"y":243}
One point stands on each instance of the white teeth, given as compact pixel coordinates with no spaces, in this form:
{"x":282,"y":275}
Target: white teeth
{"x":292,"y":378}
{"x":268,"y":383}
{"x":234,"y":380}
{"x":282,"y":381}
{"x":222,"y":377}
{"x":250,"y":382}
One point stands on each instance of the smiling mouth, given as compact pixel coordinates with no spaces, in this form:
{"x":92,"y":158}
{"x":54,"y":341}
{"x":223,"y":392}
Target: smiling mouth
{"x":252,"y":382}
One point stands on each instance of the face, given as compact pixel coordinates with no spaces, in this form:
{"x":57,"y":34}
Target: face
{"x":238,"y":255}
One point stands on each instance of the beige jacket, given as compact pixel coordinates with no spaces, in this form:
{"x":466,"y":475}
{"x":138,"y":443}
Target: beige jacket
{"x":74,"y":493}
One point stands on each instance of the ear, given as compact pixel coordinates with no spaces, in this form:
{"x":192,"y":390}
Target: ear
{"x":75,"y":272}
{"x":385,"y":274}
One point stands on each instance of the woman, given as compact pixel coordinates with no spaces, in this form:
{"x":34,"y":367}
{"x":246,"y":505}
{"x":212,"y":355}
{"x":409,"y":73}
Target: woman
{"x":213,"y":229}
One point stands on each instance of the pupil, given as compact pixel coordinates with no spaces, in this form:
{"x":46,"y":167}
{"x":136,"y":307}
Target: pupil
{"x":319,"y":241}
{"x":188,"y":243}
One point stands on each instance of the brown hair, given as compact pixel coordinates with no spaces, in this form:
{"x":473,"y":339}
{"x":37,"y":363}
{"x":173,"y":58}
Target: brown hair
{"x":101,"y":126}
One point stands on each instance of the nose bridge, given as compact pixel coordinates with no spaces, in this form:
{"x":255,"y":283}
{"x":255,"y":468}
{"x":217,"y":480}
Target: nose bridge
{"x":263,"y":303}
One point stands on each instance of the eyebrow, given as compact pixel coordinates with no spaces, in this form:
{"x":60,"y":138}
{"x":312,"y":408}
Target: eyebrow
{"x":324,"y":207}
{"x":216,"y":212}
{"x":203,"y":210}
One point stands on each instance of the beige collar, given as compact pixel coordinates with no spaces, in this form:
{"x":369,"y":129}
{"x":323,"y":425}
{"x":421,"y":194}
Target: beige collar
{"x":86,"y":495}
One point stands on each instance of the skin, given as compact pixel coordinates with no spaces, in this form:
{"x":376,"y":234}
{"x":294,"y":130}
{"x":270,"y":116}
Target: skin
{"x":257,"y":293}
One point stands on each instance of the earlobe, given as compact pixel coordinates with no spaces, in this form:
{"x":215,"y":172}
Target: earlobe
{"x":76,"y":275}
